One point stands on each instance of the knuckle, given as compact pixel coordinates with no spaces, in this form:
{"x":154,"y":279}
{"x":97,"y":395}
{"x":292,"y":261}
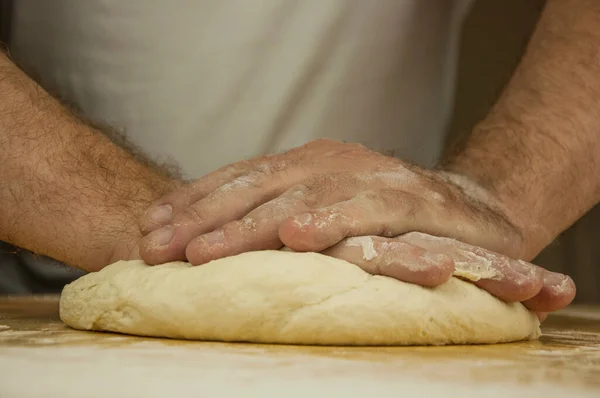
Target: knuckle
{"x":256,"y":179}
{"x":322,"y":143}
{"x":191,"y":213}
{"x":328,"y":147}
{"x":355,"y":151}
{"x":273,"y":211}
{"x":391,"y":205}
{"x":248,"y":181}
{"x":237,"y":168}
{"x":314,"y":189}
{"x":234,"y":228}
{"x":273,"y":164}
{"x":357,"y":147}
{"x":312,"y":148}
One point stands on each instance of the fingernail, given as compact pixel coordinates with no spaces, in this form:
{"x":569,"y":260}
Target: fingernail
{"x":163,"y":235}
{"x":161,"y":214}
{"x":554,"y":279}
{"x":214,"y":238}
{"x":559,"y":284}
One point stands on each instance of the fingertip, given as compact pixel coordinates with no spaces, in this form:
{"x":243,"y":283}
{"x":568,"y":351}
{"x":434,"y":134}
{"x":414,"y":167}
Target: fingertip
{"x":300,"y":233}
{"x":542,"y":316}
{"x":557,"y":292}
{"x":149,"y":252}
{"x":529,"y":285}
{"x":289,"y":228}
{"x":202,"y":249}
{"x":571,"y":291}
{"x":441,"y":270}
{"x":561,"y":286}
{"x":162,"y":246}
{"x":194,"y":252}
{"x":520,"y":281}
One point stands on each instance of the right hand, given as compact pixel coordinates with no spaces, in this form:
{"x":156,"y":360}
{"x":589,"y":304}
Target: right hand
{"x":430,"y":261}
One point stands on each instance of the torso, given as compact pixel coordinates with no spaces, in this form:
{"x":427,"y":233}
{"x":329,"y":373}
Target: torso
{"x":208,"y":82}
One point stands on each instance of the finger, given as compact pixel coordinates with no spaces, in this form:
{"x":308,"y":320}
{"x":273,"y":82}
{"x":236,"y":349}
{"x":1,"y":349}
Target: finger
{"x":542,"y":316}
{"x":557,"y":292}
{"x":234,"y":237}
{"x":227,"y":203}
{"x":367,"y":213}
{"x":223,"y":205}
{"x":256,"y":231}
{"x":396,"y":259}
{"x":509,"y":280}
{"x":161,"y":212}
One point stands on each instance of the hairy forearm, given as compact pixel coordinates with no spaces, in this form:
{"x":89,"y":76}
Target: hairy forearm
{"x":67,"y":191}
{"x":538,"y":150}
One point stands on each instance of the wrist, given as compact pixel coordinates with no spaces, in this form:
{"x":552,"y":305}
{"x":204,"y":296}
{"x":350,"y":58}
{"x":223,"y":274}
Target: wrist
{"x":68,"y":191}
{"x":498,"y":185}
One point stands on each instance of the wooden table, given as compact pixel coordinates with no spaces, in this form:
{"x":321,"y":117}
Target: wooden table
{"x":41,"y":357}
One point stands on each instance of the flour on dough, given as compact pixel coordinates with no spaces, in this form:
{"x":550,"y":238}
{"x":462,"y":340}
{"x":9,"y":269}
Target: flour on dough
{"x":286,"y":297}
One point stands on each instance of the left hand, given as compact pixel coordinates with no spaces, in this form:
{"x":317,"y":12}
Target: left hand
{"x":313,"y":197}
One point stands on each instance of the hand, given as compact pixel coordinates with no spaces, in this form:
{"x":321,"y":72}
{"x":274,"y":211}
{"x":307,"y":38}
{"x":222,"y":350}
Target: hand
{"x":230,"y":193}
{"x":430,"y":260}
{"x":313,"y":197}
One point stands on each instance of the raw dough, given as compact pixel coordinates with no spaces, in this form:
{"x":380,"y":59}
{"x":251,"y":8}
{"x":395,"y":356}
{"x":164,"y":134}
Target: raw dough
{"x":285,"y":297}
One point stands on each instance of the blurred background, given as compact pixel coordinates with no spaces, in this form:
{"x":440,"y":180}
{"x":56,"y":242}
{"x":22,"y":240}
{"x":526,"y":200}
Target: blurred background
{"x":494,"y":37}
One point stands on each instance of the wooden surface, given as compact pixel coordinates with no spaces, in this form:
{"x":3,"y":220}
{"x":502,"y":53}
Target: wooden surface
{"x":40,"y":356}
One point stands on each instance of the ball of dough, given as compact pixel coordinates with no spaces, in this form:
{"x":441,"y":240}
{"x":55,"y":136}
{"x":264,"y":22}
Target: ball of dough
{"x":284,"y":297}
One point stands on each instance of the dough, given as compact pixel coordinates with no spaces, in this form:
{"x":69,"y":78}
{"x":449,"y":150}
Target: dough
{"x":286,"y":297}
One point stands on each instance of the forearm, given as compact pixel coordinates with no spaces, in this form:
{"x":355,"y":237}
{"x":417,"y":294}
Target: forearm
{"x":538,"y":150}
{"x":67,"y":191}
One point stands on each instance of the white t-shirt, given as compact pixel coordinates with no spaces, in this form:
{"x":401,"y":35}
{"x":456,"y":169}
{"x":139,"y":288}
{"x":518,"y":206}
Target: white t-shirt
{"x":209,"y":82}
